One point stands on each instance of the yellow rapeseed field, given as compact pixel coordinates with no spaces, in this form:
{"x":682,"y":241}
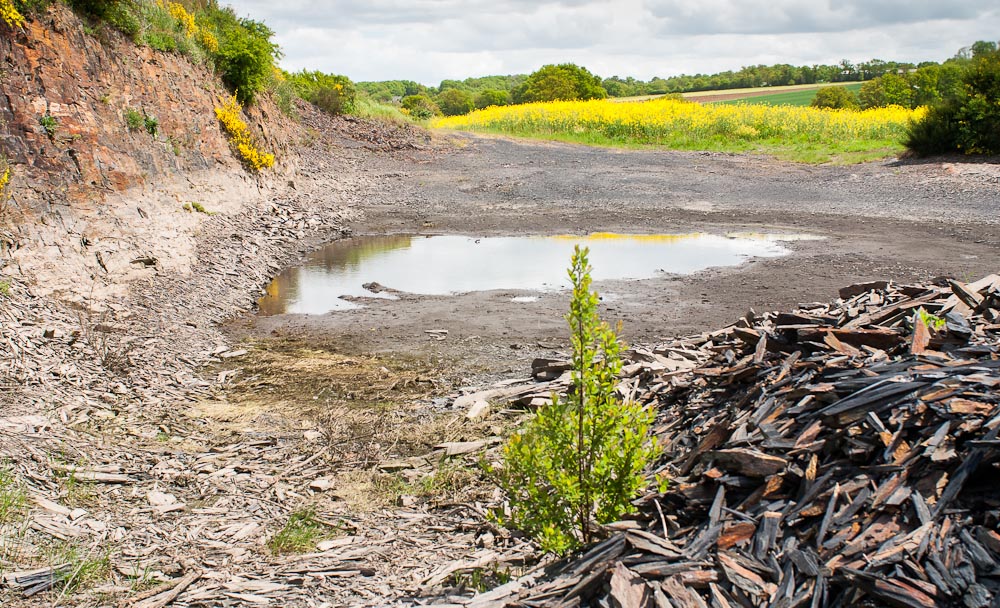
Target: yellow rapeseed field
{"x":686,"y":125}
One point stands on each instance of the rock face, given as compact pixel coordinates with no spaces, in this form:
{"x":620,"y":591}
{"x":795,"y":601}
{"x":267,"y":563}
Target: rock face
{"x":93,"y":195}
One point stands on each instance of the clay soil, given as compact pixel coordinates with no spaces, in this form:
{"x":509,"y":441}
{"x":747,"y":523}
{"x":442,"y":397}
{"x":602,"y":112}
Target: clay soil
{"x":898,"y":220}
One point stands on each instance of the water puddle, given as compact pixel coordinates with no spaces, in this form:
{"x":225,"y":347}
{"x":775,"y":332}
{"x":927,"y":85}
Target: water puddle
{"x":379,"y":266}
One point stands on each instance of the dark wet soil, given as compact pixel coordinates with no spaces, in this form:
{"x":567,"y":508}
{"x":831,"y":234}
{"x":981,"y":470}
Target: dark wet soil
{"x":904,"y":221}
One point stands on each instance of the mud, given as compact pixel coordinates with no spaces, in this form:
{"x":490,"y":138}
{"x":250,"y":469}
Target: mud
{"x":899,"y":220}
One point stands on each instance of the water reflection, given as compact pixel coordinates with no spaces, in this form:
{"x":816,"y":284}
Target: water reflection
{"x":436,"y":265}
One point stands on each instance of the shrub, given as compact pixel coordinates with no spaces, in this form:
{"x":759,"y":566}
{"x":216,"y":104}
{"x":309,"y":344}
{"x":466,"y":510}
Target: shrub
{"x":332,"y":93}
{"x":835,"y":98}
{"x":455,"y":102}
{"x":580,"y":458}
{"x":246,"y":57}
{"x":420,"y":106}
{"x":49,"y":123}
{"x":151,"y":124}
{"x":133,"y":119}
{"x":968,"y":122}
{"x":240,"y":137}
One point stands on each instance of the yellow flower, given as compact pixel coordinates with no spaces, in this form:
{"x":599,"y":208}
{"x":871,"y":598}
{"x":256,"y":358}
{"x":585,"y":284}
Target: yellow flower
{"x":9,"y":14}
{"x":240,"y":137}
{"x":181,"y":16}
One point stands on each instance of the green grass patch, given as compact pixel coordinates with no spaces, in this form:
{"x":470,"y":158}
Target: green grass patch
{"x":798,"y":98}
{"x":13,"y":498}
{"x":808,"y":152}
{"x":369,"y":108}
{"x":81,"y":569}
{"x":300,"y":534}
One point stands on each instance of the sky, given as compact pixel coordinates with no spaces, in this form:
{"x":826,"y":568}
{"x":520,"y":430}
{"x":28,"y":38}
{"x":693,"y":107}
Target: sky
{"x":432,"y":40}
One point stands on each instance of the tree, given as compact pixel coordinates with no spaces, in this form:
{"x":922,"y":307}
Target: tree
{"x":982,"y":48}
{"x":563,"y":82}
{"x":455,"y":102}
{"x":887,"y":90}
{"x":835,"y":97}
{"x":580,"y":459}
{"x":966,"y":121}
{"x":491,"y":97}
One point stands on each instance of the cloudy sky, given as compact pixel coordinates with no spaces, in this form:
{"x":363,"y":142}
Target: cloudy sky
{"x":431,"y":40}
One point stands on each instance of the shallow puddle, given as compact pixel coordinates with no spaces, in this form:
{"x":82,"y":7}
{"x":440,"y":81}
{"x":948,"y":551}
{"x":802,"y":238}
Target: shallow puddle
{"x":438,"y":265}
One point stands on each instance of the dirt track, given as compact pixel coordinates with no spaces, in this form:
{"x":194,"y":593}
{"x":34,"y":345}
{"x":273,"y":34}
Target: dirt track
{"x":896,"y":220}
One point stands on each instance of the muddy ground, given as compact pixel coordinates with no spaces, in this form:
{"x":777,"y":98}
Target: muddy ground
{"x":899,"y":220}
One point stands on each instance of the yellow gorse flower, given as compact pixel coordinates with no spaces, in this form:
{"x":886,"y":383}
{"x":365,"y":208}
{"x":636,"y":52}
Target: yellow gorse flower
{"x":9,"y":14}
{"x":4,"y":181}
{"x":240,"y":137}
{"x":181,"y":16}
{"x":665,"y":121}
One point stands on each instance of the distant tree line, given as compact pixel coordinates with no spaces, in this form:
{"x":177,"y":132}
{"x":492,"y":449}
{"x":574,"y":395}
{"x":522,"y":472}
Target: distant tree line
{"x":886,"y":83}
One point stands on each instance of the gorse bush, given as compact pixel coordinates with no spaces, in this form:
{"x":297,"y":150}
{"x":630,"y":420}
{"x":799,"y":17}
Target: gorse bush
{"x":10,"y":15}
{"x":6,"y":173}
{"x":239,"y":135}
{"x":581,"y":459}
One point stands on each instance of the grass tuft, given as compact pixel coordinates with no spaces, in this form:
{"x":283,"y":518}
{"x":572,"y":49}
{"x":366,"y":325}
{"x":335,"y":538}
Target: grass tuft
{"x":300,"y":534}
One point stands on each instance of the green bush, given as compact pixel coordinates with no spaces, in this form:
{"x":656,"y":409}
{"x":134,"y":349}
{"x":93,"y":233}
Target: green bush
{"x":50,"y":124}
{"x":420,"y":106}
{"x":133,"y":119}
{"x":968,"y":122}
{"x":455,"y":102}
{"x":246,"y":57}
{"x":834,"y":98}
{"x":580,"y":459}
{"x":332,"y":93}
{"x":151,"y":124}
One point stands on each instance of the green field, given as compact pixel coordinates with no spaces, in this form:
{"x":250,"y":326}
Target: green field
{"x":790,"y":98}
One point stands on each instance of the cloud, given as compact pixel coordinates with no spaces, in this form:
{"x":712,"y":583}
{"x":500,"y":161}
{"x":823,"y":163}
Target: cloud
{"x":794,"y":16}
{"x":432,"y":40}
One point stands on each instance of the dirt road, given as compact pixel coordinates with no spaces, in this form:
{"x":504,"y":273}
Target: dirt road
{"x":899,"y":220}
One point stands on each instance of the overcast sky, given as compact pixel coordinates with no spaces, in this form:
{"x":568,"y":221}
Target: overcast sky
{"x":431,"y":40}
